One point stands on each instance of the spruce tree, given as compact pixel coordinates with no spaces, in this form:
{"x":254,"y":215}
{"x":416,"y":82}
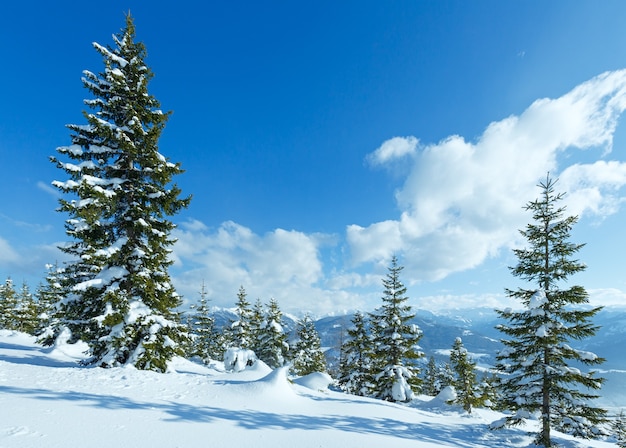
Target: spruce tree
{"x":540,"y":367}
{"x":121,"y":302}
{"x":307,"y":355}
{"x":436,"y":377}
{"x":465,"y":377}
{"x":430,"y":384}
{"x":27,"y":311}
{"x":395,"y":372}
{"x":445,"y":376}
{"x":488,"y":391}
{"x":618,"y":426}
{"x":273,"y":347}
{"x":355,"y":375}
{"x":238,"y":334}
{"x":8,"y":305}
{"x":205,"y":343}
{"x":257,"y":321}
{"x":49,"y":296}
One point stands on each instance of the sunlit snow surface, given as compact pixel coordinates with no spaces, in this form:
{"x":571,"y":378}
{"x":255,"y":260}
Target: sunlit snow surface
{"x":47,"y":401}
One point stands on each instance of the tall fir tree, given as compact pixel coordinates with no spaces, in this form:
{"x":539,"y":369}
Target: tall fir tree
{"x":355,"y":375}
{"x":307,"y":355}
{"x":121,"y":300}
{"x":464,"y":368}
{"x":395,"y":371}
{"x":273,"y":347}
{"x":540,"y":367}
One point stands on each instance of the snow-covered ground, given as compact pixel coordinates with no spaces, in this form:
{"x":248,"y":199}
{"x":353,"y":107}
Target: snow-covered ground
{"x":47,"y":401}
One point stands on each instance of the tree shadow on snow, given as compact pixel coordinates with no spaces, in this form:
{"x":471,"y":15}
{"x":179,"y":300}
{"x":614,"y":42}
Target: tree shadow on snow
{"x":35,"y":356}
{"x":248,"y":419}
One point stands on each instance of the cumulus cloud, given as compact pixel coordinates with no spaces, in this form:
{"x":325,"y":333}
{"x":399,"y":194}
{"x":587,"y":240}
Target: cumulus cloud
{"x":284,"y":264}
{"x":394,"y":148}
{"x":462,"y":201}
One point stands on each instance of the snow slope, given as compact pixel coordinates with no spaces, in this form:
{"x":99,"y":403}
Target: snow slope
{"x":47,"y":401}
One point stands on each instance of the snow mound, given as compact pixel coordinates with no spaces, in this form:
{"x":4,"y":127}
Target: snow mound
{"x":275,"y":385}
{"x":442,"y":402}
{"x":446,"y":395}
{"x":315,"y":381}
{"x":63,"y":350}
{"x":181,"y":365}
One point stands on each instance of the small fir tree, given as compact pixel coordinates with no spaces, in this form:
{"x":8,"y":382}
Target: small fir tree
{"x":49,"y":296}
{"x":257,"y":322}
{"x":205,"y":337}
{"x":445,"y":376}
{"x":273,"y":346}
{"x":465,"y":377}
{"x":488,"y":391}
{"x":238,"y":334}
{"x":356,"y":366}
{"x":395,"y":372}
{"x":430,"y":384}
{"x":121,"y":300}
{"x":618,"y":427}
{"x":27,"y":311}
{"x":307,"y":355}
{"x":8,"y":305}
{"x":537,"y":361}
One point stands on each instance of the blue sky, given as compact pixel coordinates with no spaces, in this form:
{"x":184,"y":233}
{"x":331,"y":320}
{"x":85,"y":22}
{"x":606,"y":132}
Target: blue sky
{"x":318,"y":139}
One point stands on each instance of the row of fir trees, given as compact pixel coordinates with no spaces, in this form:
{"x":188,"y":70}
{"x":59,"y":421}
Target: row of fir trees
{"x":258,"y":329}
{"x":116,"y":295}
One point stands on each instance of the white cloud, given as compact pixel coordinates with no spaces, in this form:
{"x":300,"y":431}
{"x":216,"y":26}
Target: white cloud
{"x":611,"y":297}
{"x":8,"y":255}
{"x":462,"y":201}
{"x":394,"y":148}
{"x":48,"y":189}
{"x":593,"y":189}
{"x":282,"y":264}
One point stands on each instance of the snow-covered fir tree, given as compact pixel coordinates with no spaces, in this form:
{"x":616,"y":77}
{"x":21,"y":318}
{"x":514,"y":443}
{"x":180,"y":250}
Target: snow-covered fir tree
{"x":488,"y":391}
{"x":205,"y":340}
{"x":49,"y":296}
{"x":395,"y":371}
{"x":541,"y":374}
{"x":273,"y":347}
{"x":238,"y":333}
{"x":445,"y":375}
{"x":120,"y":196}
{"x":618,"y":427}
{"x":431,"y":384}
{"x":355,"y":370}
{"x":306,"y":354}
{"x":464,"y":368}
{"x":257,"y":322}
{"x":8,"y":305}
{"x":27,"y":311}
